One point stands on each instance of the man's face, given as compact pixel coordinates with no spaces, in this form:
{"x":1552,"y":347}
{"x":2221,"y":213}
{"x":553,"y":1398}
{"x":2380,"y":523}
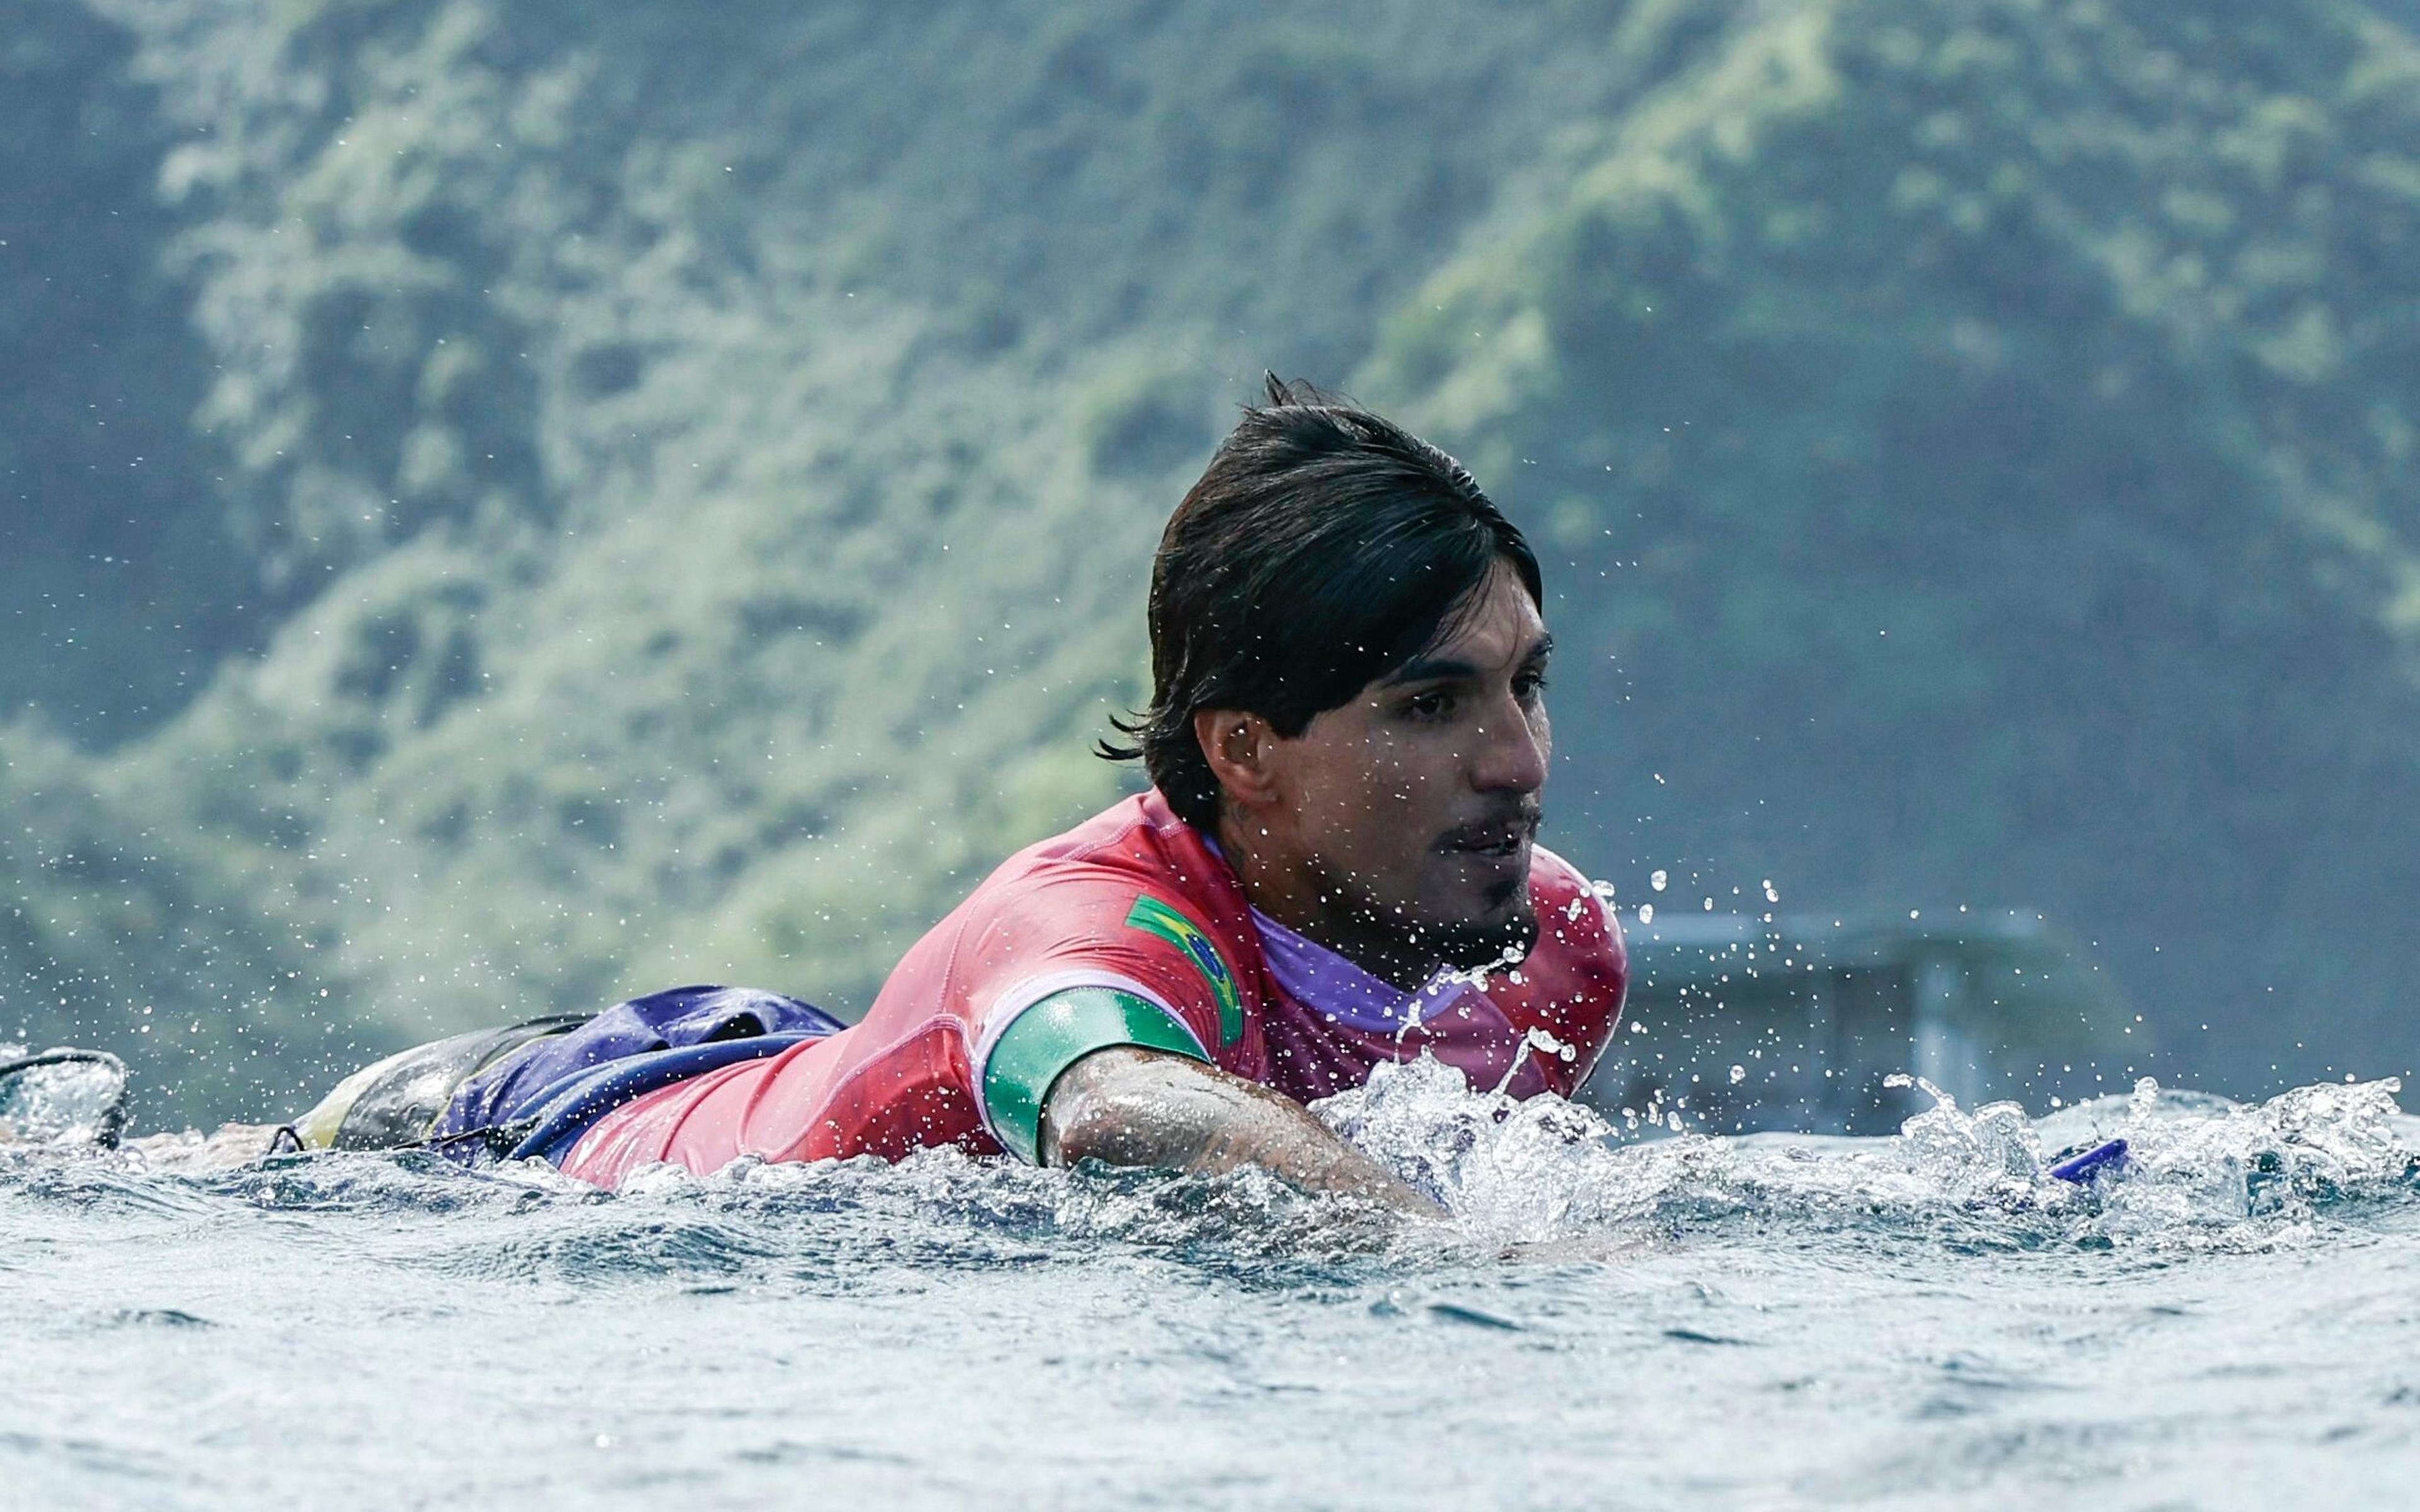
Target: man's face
{"x":1409,"y":813}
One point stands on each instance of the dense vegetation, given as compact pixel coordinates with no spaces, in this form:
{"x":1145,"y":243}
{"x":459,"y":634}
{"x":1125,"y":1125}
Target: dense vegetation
{"x":653,"y":494}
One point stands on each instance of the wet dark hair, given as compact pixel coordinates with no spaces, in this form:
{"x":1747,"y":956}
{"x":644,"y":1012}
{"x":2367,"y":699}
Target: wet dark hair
{"x":1323,"y":548}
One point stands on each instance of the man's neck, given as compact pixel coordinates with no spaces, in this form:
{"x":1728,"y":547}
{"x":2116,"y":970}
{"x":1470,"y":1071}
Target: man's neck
{"x":1291,"y":891}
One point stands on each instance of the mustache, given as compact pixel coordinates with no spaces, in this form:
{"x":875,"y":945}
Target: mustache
{"x":1509,"y":826}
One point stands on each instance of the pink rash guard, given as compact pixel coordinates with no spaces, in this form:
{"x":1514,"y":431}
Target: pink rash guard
{"x":1129,"y":928}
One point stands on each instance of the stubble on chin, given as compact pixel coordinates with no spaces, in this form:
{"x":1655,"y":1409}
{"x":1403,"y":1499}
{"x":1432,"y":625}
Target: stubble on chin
{"x":1475,"y":947}
{"x":1506,"y":932}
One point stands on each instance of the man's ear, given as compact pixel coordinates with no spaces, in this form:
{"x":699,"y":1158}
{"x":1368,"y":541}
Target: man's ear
{"x":1241,"y":748}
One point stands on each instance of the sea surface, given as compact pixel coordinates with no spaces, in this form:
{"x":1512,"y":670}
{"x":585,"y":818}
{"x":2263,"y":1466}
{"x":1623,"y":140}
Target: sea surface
{"x":1769,"y":1321}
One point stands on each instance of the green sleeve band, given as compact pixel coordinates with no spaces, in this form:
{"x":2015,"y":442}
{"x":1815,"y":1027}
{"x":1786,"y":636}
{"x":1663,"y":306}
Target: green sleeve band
{"x":1053,"y":1035}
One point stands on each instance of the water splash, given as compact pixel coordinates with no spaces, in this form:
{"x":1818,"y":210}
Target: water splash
{"x":61,"y":1097}
{"x":2273,"y":1167}
{"x":1515,"y":1171}
{"x":2204,"y":1172}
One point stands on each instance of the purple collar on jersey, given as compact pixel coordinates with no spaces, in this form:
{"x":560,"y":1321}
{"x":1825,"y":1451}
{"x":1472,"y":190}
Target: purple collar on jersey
{"x":1341,"y":992}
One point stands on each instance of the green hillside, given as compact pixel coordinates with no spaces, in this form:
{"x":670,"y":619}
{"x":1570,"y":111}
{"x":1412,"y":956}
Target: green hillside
{"x":640,"y":495}
{"x":1984,"y":432}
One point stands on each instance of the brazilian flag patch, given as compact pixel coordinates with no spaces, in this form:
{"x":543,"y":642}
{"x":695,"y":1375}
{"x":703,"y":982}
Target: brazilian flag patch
{"x":1155,"y":917}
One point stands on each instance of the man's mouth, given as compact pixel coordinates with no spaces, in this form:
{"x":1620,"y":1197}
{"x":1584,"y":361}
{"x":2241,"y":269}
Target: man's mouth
{"x":1501,"y":839}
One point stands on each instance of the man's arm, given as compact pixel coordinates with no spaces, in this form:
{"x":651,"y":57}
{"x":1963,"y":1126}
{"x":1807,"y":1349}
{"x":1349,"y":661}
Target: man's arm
{"x":1125,"y":1105}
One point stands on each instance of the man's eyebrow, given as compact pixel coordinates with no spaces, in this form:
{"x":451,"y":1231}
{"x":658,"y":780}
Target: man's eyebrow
{"x":1427,"y":670}
{"x":1441,"y":669}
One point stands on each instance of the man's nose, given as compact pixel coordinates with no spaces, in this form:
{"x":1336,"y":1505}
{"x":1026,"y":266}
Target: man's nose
{"x":1510,"y":754}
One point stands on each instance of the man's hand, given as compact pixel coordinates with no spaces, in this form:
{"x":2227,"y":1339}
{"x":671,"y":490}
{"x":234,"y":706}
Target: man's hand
{"x":1130,"y":1106}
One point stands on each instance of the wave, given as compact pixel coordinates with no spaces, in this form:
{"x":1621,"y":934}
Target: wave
{"x":2201,"y":1171}
{"x":1543,"y":1178}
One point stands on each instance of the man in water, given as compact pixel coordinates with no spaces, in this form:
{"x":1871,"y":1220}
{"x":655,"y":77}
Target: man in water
{"x":1346,"y":740}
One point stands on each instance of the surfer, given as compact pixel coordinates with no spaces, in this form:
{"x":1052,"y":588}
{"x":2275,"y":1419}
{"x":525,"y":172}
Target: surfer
{"x":1335,"y":866}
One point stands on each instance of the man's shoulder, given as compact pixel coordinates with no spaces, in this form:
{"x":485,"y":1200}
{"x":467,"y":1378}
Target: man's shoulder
{"x":1132,"y":871}
{"x":1130,"y":832}
{"x":1574,"y":920}
{"x":1135,"y":844}
{"x":1575,"y":978}
{"x":1131,"y":900}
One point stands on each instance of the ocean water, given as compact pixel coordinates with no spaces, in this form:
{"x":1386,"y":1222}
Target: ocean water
{"x":1922,"y":1322}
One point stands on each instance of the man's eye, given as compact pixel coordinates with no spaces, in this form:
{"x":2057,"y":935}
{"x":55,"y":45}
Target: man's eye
{"x":1529,"y":687}
{"x":1429,"y":705}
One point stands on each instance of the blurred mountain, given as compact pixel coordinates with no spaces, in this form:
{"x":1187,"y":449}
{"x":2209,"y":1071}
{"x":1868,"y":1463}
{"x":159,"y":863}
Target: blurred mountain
{"x":117,"y":596}
{"x":630,"y":495}
{"x":1984,"y":432}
